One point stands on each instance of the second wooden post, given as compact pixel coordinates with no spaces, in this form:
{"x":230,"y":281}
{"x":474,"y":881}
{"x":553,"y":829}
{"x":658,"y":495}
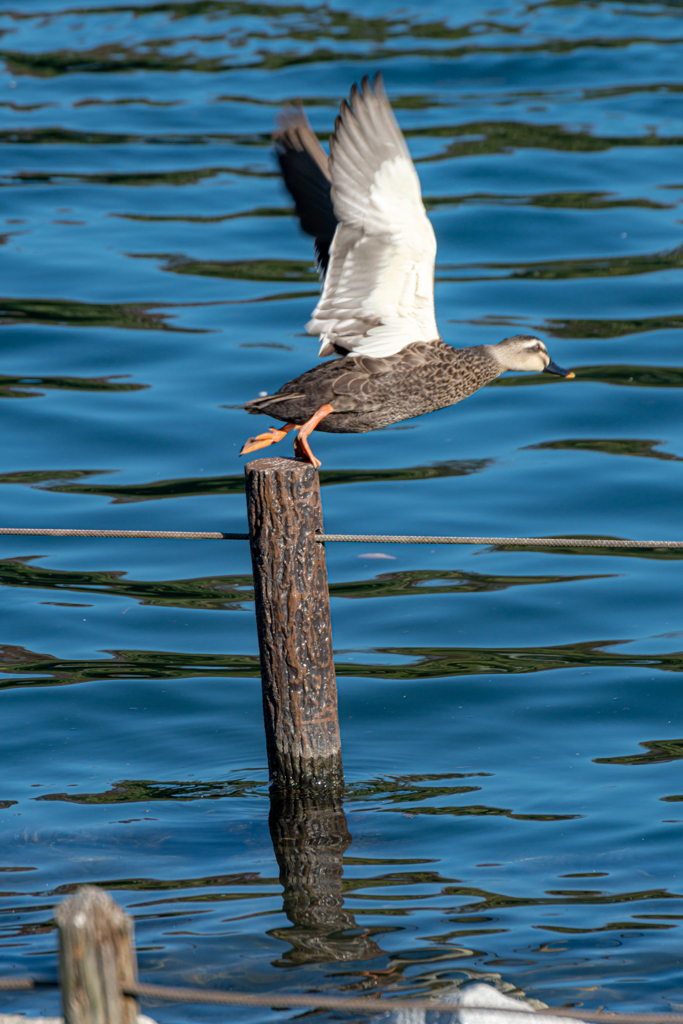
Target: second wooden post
{"x":96,"y":959}
{"x":294,"y":624}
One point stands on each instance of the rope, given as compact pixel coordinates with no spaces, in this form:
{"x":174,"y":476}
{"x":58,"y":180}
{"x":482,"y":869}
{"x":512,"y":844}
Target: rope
{"x":363,"y":1005}
{"x":370,"y":1005}
{"x":25,"y":531}
{"x":352,"y":538}
{"x":546,"y":542}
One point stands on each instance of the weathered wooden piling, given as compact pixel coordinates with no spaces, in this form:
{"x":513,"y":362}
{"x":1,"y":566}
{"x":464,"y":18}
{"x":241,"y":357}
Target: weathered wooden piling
{"x":294,"y":623}
{"x":96,"y":959}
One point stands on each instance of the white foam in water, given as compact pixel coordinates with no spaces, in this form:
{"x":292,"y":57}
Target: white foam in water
{"x":477,"y":995}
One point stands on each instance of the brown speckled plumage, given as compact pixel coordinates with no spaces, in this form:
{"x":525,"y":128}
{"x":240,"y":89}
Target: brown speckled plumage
{"x":376,"y":250}
{"x":368,"y":393}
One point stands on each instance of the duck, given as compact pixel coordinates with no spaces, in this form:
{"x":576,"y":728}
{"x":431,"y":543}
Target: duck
{"x":375,"y":250}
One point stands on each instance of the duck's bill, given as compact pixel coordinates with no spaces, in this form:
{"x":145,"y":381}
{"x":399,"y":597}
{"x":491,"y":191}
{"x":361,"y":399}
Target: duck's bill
{"x":558,"y":371}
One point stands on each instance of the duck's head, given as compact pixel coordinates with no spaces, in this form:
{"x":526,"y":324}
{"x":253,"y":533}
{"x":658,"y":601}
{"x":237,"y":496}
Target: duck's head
{"x":525,"y":352}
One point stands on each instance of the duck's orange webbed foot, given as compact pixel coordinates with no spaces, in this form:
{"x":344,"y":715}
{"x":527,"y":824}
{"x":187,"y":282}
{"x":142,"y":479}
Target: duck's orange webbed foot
{"x":271,"y":437}
{"x":302,"y":449}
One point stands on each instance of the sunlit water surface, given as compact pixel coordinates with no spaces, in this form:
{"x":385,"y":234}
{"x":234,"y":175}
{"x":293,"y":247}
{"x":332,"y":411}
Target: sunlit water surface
{"x":510,"y":718}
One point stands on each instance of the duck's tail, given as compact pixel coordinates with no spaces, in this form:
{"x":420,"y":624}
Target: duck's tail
{"x":263,"y":404}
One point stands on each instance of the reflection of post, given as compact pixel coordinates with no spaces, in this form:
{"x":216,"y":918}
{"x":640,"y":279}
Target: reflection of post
{"x":310,"y":836}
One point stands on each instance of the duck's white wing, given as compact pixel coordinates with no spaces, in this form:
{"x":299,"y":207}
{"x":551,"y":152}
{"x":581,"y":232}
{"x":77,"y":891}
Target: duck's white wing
{"x":378,"y":294}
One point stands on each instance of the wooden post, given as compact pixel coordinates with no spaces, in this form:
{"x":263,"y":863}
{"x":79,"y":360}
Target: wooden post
{"x":96,"y":958}
{"x":294,"y":624}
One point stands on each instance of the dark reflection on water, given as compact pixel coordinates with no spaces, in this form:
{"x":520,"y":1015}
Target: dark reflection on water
{"x":255,"y":270}
{"x":413,"y":582}
{"x":436,"y":662}
{"x":549,"y":200}
{"x":591,"y":328}
{"x":83,"y":314}
{"x":658,"y":752}
{"x":23,"y":387}
{"x":38,"y":669}
{"x":141,"y":179}
{"x":153,"y":280}
{"x":220,"y":593}
{"x":658,"y":554}
{"x":232,"y":484}
{"x":562,"y":270}
{"x":610,"y":446}
{"x":611,"y":328}
{"x":226,"y":593}
{"x":136,"y":790}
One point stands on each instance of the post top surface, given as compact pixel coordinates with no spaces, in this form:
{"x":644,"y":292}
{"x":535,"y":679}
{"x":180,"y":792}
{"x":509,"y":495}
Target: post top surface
{"x":279,"y":464}
{"x":88,"y":900}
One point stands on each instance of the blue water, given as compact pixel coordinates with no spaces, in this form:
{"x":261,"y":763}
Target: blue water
{"x":511,"y":719}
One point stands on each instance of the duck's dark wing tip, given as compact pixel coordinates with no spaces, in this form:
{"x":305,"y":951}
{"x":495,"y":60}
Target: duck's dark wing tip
{"x":304,"y":166}
{"x":294,"y":133}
